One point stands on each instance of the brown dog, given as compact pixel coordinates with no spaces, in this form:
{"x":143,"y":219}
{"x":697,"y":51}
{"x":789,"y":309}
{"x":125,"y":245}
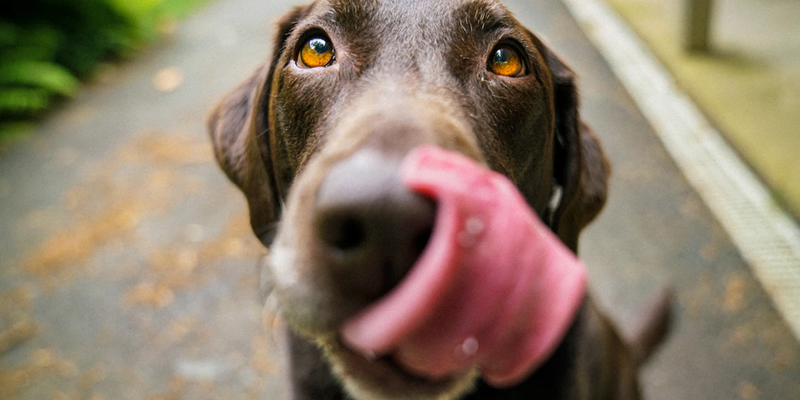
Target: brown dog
{"x":314,"y":139}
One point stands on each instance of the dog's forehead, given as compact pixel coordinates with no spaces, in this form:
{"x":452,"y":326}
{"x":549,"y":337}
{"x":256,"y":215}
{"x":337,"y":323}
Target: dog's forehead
{"x":407,"y":16}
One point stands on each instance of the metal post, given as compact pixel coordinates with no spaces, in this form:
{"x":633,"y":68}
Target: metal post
{"x":698,"y":21}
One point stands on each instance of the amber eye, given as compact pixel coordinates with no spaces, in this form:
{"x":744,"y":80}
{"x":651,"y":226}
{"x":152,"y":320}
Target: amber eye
{"x":506,"y":61}
{"x":317,"y":52}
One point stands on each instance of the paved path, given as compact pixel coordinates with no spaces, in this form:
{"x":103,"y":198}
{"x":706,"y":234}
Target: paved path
{"x":128,"y":271}
{"x":749,"y":84}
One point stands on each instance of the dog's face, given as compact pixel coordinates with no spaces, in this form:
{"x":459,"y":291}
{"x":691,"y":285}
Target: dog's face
{"x":314,"y":140}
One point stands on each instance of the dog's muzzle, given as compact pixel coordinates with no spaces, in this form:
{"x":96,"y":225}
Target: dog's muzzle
{"x":371,"y":228}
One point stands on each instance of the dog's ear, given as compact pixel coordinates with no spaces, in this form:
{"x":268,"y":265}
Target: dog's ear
{"x":240,"y":135}
{"x":580,"y":168}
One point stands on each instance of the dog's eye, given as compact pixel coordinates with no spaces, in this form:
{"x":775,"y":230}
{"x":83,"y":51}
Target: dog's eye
{"x":506,"y":61}
{"x":317,"y":52}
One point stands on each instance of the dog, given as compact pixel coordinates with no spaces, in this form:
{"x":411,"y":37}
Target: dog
{"x":314,"y":140}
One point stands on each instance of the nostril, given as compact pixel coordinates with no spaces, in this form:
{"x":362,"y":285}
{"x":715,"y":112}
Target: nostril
{"x":420,"y":241}
{"x":345,"y":233}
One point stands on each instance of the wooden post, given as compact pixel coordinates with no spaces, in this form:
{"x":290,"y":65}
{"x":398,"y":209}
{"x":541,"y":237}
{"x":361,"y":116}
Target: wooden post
{"x":697,"y":27}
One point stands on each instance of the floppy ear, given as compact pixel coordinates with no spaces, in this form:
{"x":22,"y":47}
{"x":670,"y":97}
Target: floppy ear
{"x":580,"y":167}
{"x":240,"y":135}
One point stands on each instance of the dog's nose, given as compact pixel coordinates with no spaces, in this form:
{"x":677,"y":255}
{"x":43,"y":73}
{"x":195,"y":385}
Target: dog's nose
{"x":370,"y":227}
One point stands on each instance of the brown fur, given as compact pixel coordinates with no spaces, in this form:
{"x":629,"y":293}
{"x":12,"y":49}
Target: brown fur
{"x":395,"y":86}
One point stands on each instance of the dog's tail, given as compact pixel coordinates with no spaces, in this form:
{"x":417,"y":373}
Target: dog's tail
{"x":652,"y":325}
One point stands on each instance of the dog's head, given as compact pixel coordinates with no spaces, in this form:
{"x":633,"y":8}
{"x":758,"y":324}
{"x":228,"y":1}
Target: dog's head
{"x":315,"y":137}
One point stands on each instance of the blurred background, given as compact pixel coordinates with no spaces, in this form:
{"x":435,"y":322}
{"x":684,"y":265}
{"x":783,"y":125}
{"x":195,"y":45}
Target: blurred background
{"x":49,"y":46}
{"x":127,"y":265}
{"x":739,"y":60}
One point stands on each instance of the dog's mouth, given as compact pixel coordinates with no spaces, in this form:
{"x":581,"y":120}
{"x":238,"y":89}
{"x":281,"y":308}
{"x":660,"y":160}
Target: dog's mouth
{"x":386,"y":377}
{"x":493,"y":290}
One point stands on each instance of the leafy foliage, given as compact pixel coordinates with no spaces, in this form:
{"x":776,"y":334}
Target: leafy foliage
{"x":46,"y":46}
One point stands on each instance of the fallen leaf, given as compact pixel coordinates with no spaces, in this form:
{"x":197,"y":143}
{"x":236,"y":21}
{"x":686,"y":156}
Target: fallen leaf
{"x":168,"y":79}
{"x":748,"y":391}
{"x":18,"y":333}
{"x":735,"y":291}
{"x":150,"y":294}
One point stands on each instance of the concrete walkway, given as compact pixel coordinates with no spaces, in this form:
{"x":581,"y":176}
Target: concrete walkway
{"x":127,"y":269}
{"x":749,"y":82}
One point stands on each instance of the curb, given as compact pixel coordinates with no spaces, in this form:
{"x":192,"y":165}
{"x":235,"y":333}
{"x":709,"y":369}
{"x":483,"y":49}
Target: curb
{"x":765,"y":235}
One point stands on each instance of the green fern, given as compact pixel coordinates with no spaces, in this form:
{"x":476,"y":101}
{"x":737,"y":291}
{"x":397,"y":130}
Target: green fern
{"x":45,"y":75}
{"x":22,"y":101}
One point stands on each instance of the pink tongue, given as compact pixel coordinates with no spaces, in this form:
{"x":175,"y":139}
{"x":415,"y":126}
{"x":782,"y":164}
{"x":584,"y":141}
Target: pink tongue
{"x":494,"y":288}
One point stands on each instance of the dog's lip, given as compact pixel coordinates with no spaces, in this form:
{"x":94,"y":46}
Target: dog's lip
{"x":381,"y":364}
